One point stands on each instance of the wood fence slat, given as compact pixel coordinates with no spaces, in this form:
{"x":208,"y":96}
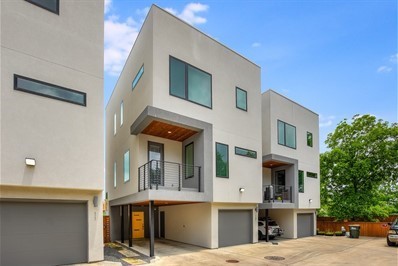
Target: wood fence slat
{"x":376,"y":229}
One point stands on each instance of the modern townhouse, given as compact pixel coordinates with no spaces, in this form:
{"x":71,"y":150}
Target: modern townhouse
{"x":290,"y":165}
{"x":189,"y":148}
{"x":52,"y":159}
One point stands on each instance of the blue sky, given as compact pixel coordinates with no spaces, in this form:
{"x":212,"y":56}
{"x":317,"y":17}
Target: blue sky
{"x":338,"y":58}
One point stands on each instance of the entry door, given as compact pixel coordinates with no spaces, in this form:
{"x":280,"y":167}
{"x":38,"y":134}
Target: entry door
{"x":162,"y":225}
{"x":138,"y":225}
{"x":280,"y":182}
{"x":155,"y":153}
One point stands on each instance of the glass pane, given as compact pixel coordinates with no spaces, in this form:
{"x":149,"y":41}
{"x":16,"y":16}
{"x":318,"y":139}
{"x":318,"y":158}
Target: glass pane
{"x":290,"y":136}
{"x":126,"y":167}
{"x":245,"y":152}
{"x":241,"y":99}
{"x":281,"y":132}
{"x":301,"y":181}
{"x":114,"y":174}
{"x":51,"y":5}
{"x":199,"y":86}
{"x":138,"y":76}
{"x":49,"y":90}
{"x":309,"y":139}
{"x":221,"y":160}
{"x":177,"y":78}
{"x":189,"y":168}
{"x":121,"y":113}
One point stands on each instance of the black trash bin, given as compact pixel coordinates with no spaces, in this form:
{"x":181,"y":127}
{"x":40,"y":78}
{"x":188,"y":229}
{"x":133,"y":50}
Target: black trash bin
{"x":354,"y":230}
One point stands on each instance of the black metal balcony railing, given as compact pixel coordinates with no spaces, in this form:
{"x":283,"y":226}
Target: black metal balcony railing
{"x":157,"y":174}
{"x":275,"y":193}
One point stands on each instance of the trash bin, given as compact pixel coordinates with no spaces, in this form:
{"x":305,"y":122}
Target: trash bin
{"x":354,"y":230}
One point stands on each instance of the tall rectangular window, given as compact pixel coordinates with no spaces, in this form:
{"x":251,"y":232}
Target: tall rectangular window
{"x":189,"y":160}
{"x":121,"y":113}
{"x":241,"y":99}
{"x":309,"y":139}
{"x":222,"y":160}
{"x":50,"y":5}
{"x":301,"y":181}
{"x":190,"y":83}
{"x":126,"y":166}
{"x":114,"y":124}
{"x":286,"y":134}
{"x":45,"y":89}
{"x":114,"y":174}
{"x":138,"y":76}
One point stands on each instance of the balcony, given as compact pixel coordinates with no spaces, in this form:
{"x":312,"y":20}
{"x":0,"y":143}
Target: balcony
{"x":164,"y":175}
{"x":275,"y":193}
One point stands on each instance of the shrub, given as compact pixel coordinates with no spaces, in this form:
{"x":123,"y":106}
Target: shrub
{"x":321,"y":233}
{"x":338,"y":233}
{"x":329,"y":233}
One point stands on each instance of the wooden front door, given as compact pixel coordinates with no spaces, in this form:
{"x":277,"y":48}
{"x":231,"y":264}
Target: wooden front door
{"x":138,"y":225}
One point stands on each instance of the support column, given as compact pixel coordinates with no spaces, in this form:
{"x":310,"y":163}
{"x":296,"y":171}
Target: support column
{"x":266,"y":226}
{"x":130,"y":209}
{"x":122,"y":224}
{"x":151,"y":208}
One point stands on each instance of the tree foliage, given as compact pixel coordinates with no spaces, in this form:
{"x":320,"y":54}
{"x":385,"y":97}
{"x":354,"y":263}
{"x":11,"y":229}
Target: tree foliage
{"x":359,"y":173}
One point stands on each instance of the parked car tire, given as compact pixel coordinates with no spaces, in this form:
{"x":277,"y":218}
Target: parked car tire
{"x":389,"y":243}
{"x":260,"y":235}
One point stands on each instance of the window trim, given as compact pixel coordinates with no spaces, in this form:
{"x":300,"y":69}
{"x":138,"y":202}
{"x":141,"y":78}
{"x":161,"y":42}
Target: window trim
{"x":46,"y":8}
{"x":121,"y":113}
{"x":312,"y":139}
{"x":255,"y":152}
{"x":284,"y":135}
{"x":186,"y":82}
{"x":137,"y":77}
{"x":299,"y":181}
{"x":193,"y":159}
{"x":124,"y":165}
{"x":16,"y":77}
{"x":219,"y":143}
{"x":315,"y":175}
{"x":236,"y":98}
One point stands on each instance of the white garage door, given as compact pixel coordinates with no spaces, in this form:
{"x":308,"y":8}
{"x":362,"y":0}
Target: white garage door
{"x":235,"y":227}
{"x":43,"y":233}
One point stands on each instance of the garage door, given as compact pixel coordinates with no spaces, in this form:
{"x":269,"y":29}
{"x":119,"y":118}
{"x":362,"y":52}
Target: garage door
{"x":34,"y":233}
{"x":305,"y":225}
{"x":235,"y":227}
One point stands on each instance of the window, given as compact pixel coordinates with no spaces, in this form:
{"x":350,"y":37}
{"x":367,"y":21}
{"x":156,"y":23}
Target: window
{"x":301,"y":181}
{"x":190,"y":83}
{"x":126,"y":166}
{"x":286,"y":134}
{"x":121,"y":113}
{"x":222,"y":162}
{"x":50,"y":5}
{"x":245,"y":152}
{"x":114,"y":124}
{"x":241,"y":99}
{"x":138,"y":76}
{"x":309,"y":139}
{"x":312,"y":175}
{"x":114,"y":174}
{"x":48,"y":90}
{"x":189,"y":160}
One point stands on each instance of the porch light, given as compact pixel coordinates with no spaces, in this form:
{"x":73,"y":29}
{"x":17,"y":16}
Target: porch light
{"x":169,"y":132}
{"x":242,"y":189}
{"x":310,"y":200}
{"x":30,"y":161}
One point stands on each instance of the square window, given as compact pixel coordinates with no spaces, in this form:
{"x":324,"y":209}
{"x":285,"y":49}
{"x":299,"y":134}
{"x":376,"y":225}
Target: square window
{"x":286,"y":134}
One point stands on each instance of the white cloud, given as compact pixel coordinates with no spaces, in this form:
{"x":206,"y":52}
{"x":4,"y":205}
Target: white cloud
{"x":326,"y":121}
{"x":189,"y":13}
{"x":107,"y":5}
{"x":394,"y":58}
{"x":384,"y":69}
{"x":119,"y":38}
{"x":256,"y":44}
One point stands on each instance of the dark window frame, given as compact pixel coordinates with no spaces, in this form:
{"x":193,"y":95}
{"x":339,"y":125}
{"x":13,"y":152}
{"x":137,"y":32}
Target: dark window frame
{"x":284,"y":135}
{"x":236,"y":147}
{"x":312,"y":175}
{"x":193,"y":159}
{"x":44,"y":7}
{"x":311,"y":144}
{"x":219,"y":143}
{"x":186,"y":82}
{"x":236,"y":98}
{"x":137,"y":77}
{"x":299,"y":188}
{"x":46,"y":95}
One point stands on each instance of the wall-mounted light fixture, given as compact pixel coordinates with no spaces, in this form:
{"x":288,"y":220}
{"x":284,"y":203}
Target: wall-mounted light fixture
{"x":242,"y":189}
{"x":95,"y":201}
{"x":30,"y":161}
{"x":310,"y":200}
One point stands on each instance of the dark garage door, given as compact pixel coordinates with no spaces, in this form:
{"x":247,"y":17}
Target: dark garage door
{"x":42,"y":233}
{"x":305,"y":225}
{"x":234,"y":227}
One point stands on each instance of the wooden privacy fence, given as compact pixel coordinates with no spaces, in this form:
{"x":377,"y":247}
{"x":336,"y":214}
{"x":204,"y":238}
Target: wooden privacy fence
{"x":378,"y":229}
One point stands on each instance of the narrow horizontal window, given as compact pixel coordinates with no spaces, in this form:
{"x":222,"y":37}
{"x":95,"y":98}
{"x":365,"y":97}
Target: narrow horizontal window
{"x":309,"y":139}
{"x":245,"y":152}
{"x":312,"y":175}
{"x":138,"y":76}
{"x":301,"y":181}
{"x":49,"y":90}
{"x":241,"y":99}
{"x":126,"y":166}
{"x":222,"y":161}
{"x":286,"y":134}
{"x":190,"y":83}
{"x":50,"y":5}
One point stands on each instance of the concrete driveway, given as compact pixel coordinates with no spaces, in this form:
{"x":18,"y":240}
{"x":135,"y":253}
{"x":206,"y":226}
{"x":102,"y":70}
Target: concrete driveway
{"x":317,"y":250}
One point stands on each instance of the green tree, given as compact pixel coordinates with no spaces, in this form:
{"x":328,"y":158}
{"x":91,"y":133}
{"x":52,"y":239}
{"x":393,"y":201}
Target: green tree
{"x":359,"y":174}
